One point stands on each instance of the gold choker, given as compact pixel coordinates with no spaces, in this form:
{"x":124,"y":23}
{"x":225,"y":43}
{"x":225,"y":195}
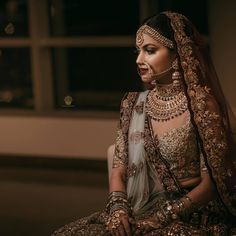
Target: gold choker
{"x":166,"y":103}
{"x":167,"y":92}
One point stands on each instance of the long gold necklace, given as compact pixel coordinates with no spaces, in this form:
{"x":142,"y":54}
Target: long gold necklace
{"x":166,"y":102}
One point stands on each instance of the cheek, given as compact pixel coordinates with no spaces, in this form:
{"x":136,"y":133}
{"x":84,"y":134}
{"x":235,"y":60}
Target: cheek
{"x":161,"y":61}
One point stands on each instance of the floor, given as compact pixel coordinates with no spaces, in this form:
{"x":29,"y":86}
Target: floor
{"x":36,"y":201}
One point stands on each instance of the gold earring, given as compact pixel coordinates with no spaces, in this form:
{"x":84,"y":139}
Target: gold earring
{"x":176,"y":76}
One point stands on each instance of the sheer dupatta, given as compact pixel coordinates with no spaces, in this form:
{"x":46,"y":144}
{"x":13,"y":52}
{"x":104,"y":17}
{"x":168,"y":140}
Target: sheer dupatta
{"x":210,"y":114}
{"x":148,"y":174}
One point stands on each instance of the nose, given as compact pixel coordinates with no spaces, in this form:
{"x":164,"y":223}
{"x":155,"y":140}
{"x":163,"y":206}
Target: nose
{"x":139,"y":58}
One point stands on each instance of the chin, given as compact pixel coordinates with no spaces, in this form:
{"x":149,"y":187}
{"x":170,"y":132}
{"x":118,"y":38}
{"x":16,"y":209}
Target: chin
{"x":146,"y":80}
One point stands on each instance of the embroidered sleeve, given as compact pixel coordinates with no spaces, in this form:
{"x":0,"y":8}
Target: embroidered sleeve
{"x":211,"y":128}
{"x":213,"y":135}
{"x":121,"y":145}
{"x":120,"y":157}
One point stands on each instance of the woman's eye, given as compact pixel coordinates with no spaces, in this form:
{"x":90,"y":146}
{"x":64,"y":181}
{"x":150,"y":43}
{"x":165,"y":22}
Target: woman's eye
{"x":150,"y":51}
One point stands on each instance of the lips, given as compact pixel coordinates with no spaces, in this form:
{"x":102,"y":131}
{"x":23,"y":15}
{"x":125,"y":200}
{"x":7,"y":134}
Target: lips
{"x":143,"y":71}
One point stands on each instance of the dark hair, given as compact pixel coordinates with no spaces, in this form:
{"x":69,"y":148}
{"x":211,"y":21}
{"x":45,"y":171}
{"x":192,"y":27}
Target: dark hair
{"x":161,"y":23}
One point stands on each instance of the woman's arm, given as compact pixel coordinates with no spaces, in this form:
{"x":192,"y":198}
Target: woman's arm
{"x":199,"y":196}
{"x":206,"y":190}
{"x":117,"y":179}
{"x":117,"y":188}
{"x":118,"y":206}
{"x":116,"y":175}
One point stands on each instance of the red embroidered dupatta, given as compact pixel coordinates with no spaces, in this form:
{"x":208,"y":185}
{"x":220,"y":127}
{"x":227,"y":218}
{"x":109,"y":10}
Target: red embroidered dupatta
{"x":211,"y":116}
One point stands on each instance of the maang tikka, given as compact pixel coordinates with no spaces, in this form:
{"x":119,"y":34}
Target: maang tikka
{"x":176,"y":76}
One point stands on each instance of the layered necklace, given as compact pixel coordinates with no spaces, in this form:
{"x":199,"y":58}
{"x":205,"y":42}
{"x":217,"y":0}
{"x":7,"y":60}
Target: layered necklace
{"x":166,"y":102}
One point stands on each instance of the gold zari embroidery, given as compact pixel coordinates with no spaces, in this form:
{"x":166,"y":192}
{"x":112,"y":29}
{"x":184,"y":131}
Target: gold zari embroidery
{"x":121,"y":146}
{"x":139,"y":107}
{"x":179,"y":148}
{"x":136,"y":136}
{"x":134,"y":169}
{"x":206,"y":112}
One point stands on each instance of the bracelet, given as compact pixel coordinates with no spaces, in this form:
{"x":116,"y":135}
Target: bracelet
{"x":117,"y":200}
{"x":117,"y":194}
{"x":180,"y":205}
{"x":118,"y":206}
{"x":193,"y":206}
{"x":182,"y":211}
{"x":167,"y":213}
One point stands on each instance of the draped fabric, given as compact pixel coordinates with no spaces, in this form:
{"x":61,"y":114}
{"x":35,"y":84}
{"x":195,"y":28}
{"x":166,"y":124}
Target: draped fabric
{"x":212,"y":116}
{"x":137,"y":188}
{"x":215,"y":127}
{"x":209,"y":220}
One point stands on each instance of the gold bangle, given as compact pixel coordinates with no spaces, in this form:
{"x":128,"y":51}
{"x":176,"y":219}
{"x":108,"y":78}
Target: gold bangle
{"x":193,"y":206}
{"x":169,"y":212}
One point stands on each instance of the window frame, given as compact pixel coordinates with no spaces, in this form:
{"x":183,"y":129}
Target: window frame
{"x":40,"y":43}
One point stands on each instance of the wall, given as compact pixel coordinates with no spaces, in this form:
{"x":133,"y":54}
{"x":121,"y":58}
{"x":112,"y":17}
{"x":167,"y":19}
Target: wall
{"x":56,"y":137}
{"x":90,"y":138}
{"x":222,"y":24}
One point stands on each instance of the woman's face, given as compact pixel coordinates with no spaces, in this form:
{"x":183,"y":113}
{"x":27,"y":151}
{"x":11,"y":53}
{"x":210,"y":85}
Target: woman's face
{"x":158,"y":57}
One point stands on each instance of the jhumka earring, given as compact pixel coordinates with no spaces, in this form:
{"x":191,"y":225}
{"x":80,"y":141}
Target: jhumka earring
{"x":176,"y":76}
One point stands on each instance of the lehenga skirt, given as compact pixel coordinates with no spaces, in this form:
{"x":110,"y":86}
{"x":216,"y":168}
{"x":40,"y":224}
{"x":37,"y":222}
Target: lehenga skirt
{"x":210,"y":220}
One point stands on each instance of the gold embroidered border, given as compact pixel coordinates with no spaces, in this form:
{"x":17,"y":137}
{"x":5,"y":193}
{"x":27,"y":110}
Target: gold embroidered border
{"x":154,"y":157}
{"x":206,"y":116}
{"x":121,"y":146}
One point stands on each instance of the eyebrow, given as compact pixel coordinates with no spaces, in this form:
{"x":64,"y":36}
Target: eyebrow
{"x":146,"y":45}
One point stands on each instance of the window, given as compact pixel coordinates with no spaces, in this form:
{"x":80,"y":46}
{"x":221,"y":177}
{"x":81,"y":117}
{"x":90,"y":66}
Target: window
{"x":97,"y":71}
{"x":95,"y":77}
{"x":15,"y":64}
{"x":16,"y":82}
{"x":72,"y":54}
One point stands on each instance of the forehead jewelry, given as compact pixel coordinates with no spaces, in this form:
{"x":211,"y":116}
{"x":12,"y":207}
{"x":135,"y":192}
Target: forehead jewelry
{"x":145,"y":29}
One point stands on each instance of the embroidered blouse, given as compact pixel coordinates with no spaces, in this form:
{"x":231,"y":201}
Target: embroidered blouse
{"x":179,"y":148}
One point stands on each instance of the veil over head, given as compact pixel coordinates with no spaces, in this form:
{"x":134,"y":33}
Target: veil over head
{"x":211,"y":115}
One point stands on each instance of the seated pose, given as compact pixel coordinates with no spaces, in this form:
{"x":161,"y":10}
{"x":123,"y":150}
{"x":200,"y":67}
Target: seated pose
{"x":174,"y":162}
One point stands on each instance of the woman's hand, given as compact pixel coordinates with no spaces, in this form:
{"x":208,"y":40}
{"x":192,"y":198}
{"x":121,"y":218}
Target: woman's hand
{"x":144,"y":226}
{"x":120,"y":224}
